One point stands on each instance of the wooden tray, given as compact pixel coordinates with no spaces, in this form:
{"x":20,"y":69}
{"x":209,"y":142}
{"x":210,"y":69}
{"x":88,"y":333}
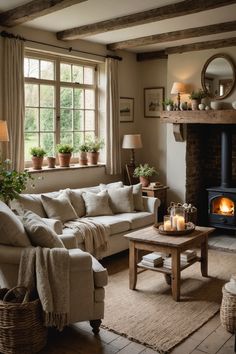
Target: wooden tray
{"x":190,"y":227}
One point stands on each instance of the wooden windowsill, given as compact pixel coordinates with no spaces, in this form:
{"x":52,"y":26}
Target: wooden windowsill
{"x":73,"y":166}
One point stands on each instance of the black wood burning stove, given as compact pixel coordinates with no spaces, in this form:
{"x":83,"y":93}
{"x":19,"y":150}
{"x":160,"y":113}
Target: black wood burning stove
{"x":222,"y":199}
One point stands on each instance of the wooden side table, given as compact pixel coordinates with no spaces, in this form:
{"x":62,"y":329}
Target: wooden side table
{"x":158,"y":192}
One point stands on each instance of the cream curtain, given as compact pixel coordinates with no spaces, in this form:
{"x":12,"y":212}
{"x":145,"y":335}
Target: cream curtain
{"x":13,"y":100}
{"x":113,"y":153}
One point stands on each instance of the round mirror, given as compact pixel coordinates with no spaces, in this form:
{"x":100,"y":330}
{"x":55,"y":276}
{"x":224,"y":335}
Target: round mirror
{"x":218,"y":76}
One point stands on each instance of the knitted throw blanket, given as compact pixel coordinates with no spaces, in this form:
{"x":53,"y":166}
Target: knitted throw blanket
{"x":47,"y":270}
{"x":94,"y":234}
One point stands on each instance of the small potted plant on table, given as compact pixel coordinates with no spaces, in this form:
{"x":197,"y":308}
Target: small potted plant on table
{"x":94,"y":145}
{"x":64,"y":154}
{"x":37,"y":154}
{"x":83,"y":149}
{"x":144,"y":172}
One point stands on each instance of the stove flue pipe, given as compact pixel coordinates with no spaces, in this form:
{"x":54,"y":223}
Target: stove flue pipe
{"x":226,"y":157}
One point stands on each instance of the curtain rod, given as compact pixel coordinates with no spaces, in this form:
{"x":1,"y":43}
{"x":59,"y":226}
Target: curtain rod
{"x":70,"y":49}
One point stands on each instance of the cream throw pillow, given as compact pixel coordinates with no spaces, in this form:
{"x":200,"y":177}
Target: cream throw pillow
{"x":97,"y":204}
{"x":137,"y":195}
{"x":39,"y":232}
{"x":121,"y":199}
{"x":59,"y":208}
{"x":12,"y":232}
{"x":111,"y":185}
{"x":77,"y":201}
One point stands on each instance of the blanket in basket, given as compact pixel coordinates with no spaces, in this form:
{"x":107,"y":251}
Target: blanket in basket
{"x":94,"y":234}
{"x":47,"y":270}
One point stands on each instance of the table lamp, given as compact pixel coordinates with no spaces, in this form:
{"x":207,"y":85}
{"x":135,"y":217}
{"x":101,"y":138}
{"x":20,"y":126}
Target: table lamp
{"x":132,"y":141}
{"x":177,"y":89}
{"x":4,"y":136}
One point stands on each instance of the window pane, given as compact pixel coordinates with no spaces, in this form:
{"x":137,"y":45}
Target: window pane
{"x":89,"y":135}
{"x":77,"y":72}
{"x":66,"y":119}
{"x":47,"y":142}
{"x":89,"y":120}
{"x":78,"y":98}
{"x":88,"y":76}
{"x":46,"y":119}
{"x":31,"y":119}
{"x":65,"y":72}
{"x":78,"y":139}
{"x":31,"y":139}
{"x":47,"y":70}
{"x":46,"y":96}
{"x":31,"y":68}
{"x":66,"y":138}
{"x":32,"y":95}
{"x":66,"y":97}
{"x":78,"y":120}
{"x":89,"y":99}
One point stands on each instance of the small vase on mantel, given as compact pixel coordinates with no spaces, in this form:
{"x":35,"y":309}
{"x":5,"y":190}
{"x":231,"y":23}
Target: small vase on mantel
{"x":194,"y":104}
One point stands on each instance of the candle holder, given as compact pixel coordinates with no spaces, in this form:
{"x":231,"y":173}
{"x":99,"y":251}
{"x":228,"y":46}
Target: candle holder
{"x":177,"y":214}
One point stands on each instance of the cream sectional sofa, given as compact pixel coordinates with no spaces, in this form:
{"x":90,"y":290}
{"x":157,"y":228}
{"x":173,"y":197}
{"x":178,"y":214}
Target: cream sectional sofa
{"x":118,"y":223}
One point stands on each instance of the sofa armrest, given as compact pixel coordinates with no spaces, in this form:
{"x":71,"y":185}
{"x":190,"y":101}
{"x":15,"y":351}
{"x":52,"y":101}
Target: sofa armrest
{"x":10,"y":254}
{"x":56,"y":225}
{"x":69,"y":240}
{"x":100,"y":274}
{"x":151,"y":205}
{"x":80,"y":260}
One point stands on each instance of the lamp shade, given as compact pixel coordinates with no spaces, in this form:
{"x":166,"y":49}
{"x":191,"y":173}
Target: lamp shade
{"x":132,"y":141}
{"x":178,"y":87}
{"x":3,"y":131}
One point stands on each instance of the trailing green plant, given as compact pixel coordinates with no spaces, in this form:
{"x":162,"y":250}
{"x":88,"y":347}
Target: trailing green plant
{"x":168,"y":102}
{"x":83,"y":147}
{"x":94,"y":144}
{"x":197,"y":95}
{"x":64,"y":148}
{"x":12,"y":183}
{"x":37,"y":151}
{"x":144,"y":171}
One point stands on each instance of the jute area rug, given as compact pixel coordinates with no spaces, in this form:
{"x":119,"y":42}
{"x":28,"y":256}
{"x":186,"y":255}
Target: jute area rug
{"x":150,"y":316}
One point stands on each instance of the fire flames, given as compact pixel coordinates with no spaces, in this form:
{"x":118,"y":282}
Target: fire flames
{"x":225,"y":206}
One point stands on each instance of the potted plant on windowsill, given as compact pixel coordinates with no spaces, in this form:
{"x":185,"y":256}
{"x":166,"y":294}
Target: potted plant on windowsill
{"x":144,"y":172}
{"x":37,"y":154}
{"x":64,"y":154}
{"x":94,"y":145}
{"x":83,"y":149}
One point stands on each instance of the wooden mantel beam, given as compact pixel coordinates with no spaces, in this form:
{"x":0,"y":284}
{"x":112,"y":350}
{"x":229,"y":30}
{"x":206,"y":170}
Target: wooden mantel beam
{"x":219,"y":43}
{"x":32,"y":10}
{"x":182,"y":8}
{"x":174,"y":36}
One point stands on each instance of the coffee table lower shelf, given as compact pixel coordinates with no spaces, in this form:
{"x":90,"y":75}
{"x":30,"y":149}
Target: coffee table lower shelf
{"x":168,"y":270}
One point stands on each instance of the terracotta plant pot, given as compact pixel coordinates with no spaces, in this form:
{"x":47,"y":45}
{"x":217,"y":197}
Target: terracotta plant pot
{"x":83,"y":159}
{"x":93,"y":158}
{"x":144,"y":181}
{"x":194,"y":104}
{"x":51,"y":161}
{"x":64,"y":159}
{"x":37,"y":162}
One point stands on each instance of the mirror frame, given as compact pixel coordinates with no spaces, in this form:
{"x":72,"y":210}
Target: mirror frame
{"x":230,"y":61}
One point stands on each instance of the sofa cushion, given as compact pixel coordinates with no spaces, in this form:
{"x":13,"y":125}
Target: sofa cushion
{"x":77,"y":201}
{"x":138,"y":219}
{"x":121,"y":199}
{"x":97,"y":204}
{"x":59,"y":208}
{"x":116,"y":225}
{"x":12,"y":232}
{"x":39,"y":232}
{"x":111,"y":185}
{"x":137,"y":195}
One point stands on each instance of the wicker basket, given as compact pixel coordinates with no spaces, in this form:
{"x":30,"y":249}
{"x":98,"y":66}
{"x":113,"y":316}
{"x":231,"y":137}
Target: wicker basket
{"x":228,"y":311}
{"x":21,"y":325}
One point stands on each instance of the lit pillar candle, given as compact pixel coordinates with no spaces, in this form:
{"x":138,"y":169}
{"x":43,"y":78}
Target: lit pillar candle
{"x":180,"y":223}
{"x":174,"y":221}
{"x":167,"y":225}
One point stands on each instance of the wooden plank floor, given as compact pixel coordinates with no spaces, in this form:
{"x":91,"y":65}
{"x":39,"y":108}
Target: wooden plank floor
{"x":79,"y":339}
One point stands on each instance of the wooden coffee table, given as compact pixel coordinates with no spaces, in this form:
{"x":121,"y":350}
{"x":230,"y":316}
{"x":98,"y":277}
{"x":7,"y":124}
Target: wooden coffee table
{"x":149,"y":239}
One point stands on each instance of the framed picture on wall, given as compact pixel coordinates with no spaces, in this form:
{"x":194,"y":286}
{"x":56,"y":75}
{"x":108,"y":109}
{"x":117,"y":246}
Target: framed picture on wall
{"x":153,"y":102}
{"x":126,"y":109}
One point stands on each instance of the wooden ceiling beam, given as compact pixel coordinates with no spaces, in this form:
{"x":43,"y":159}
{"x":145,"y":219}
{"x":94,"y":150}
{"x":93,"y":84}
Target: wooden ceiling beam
{"x":182,"y":8}
{"x":174,"y":36}
{"x":219,"y":43}
{"x":32,"y":10}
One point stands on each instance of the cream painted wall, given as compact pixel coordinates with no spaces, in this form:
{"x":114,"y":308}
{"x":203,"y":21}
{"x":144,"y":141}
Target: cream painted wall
{"x":186,"y":68}
{"x":129,"y":87}
{"x":153,"y":73}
